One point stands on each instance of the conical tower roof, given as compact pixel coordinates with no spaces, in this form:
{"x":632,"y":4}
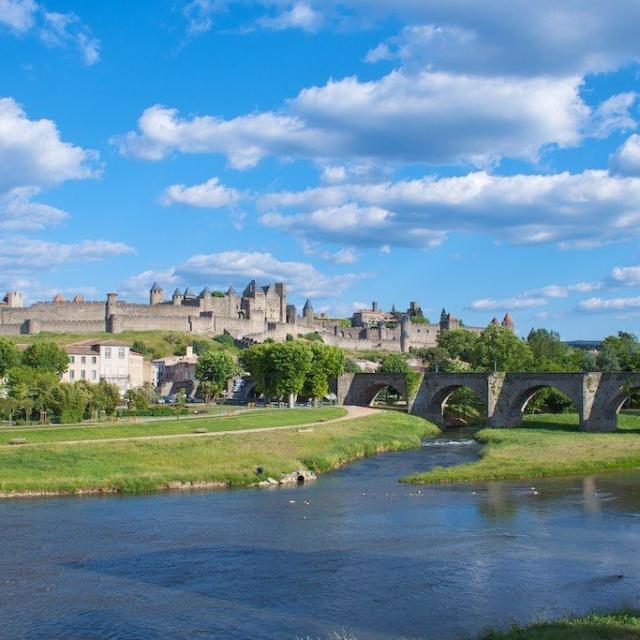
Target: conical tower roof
{"x":177,"y":293}
{"x":188,"y":293}
{"x":156,"y":287}
{"x":508,"y":321}
{"x":205,"y":292}
{"x":307,"y":306}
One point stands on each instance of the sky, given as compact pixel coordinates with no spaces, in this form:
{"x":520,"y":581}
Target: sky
{"x":482,"y":157}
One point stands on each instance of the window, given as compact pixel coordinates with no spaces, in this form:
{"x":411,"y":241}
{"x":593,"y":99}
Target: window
{"x":83,"y":374}
{"x":94,"y":360}
{"x":83,"y":360}
{"x":72,"y":374}
{"x":72,"y":359}
{"x":121,"y":353}
{"x":94,"y":374}
{"x":107,"y":352}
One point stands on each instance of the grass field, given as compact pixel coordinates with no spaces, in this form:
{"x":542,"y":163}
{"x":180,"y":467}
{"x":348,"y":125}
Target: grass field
{"x":260,"y":419}
{"x":229,"y":459}
{"x":624,"y":625}
{"x":546,"y":445}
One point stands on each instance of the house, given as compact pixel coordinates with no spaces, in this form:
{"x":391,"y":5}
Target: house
{"x":109,"y":360}
{"x":175,"y":371}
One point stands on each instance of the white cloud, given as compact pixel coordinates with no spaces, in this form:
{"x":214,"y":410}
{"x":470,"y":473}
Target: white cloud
{"x":611,"y":304}
{"x":19,"y":212}
{"x":489,"y":304}
{"x":437,"y":118}
{"x":346,"y":255}
{"x":571,"y":210}
{"x":18,"y":15}
{"x":626,"y":159}
{"x":210,"y":194}
{"x":299,"y":16}
{"x":625,"y":276}
{"x":32,"y":153}
{"x":236,"y":266}
{"x":27,"y":254}
{"x":199,"y":15}
{"x":64,"y":30}
{"x":138,"y":285}
{"x":558,"y":291}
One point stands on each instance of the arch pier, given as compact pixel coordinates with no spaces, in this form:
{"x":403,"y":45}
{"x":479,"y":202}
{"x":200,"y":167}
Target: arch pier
{"x":597,"y":397}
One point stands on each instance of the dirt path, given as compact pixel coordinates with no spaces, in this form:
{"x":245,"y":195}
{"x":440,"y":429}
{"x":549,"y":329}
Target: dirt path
{"x":352,"y":414}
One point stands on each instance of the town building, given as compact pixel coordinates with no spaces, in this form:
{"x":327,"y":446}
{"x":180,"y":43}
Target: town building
{"x":109,"y":360}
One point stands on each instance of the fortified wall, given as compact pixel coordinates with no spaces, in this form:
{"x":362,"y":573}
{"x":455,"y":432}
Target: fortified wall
{"x":255,"y":315}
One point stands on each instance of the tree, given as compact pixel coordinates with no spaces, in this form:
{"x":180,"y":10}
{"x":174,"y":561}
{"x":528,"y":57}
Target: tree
{"x":607,"y":359}
{"x":394,"y":363}
{"x":351,"y":366}
{"x":181,"y":403}
{"x":9,"y":356}
{"x":458,"y":343}
{"x":549,"y":353}
{"x":47,"y":356}
{"x":139,"y":347}
{"x":215,"y":368}
{"x":207,"y":390}
{"x":435,"y":359}
{"x":137,"y":399}
{"x":623,"y":348}
{"x":326,"y":362}
{"x":498,"y":347}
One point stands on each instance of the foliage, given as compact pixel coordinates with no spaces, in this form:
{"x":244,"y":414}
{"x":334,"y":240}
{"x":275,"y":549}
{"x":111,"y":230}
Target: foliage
{"x":9,"y":356}
{"x":225,"y":340}
{"x":313,"y":336}
{"x":215,"y":368}
{"x":201,"y":347}
{"x":620,"y":353}
{"x":498,"y":347}
{"x":351,"y":366}
{"x":435,"y":359}
{"x":217,"y":294}
{"x":137,"y":399}
{"x":47,"y":356}
{"x":549,"y":400}
{"x":181,"y":403}
{"x":326,"y":362}
{"x":458,"y":343}
{"x":394,"y":363}
{"x":140,"y":347}
{"x":419,"y":320}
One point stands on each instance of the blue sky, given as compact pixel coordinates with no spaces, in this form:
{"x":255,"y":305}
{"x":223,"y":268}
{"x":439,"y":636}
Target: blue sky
{"x":484,"y":158}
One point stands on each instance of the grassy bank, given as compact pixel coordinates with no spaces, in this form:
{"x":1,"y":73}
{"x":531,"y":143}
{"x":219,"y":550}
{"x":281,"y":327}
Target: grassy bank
{"x":545,"y":446}
{"x":230,"y":459}
{"x":624,"y":625}
{"x":260,"y":419}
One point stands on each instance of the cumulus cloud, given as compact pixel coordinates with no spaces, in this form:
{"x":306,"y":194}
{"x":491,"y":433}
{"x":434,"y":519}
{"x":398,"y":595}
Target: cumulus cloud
{"x":138,"y":285}
{"x":64,"y":30}
{"x":431,"y":117}
{"x":19,"y":254}
{"x":610,"y":304}
{"x":235,"y":266}
{"x":625,"y":276}
{"x":626,"y":159}
{"x":211,"y":194}
{"x":33,"y":154}
{"x":571,"y":210}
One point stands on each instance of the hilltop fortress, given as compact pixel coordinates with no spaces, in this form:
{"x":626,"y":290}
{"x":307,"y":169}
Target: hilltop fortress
{"x":255,"y":315}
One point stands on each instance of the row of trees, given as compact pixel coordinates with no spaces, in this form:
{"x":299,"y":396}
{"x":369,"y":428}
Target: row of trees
{"x":289,"y":369}
{"x":500,"y":349}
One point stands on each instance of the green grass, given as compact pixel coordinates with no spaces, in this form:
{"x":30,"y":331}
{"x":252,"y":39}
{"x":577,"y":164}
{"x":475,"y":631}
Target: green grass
{"x":547,"y":445}
{"x":159,"y":343}
{"x":229,"y":459}
{"x":623,"y":625}
{"x":260,"y":419}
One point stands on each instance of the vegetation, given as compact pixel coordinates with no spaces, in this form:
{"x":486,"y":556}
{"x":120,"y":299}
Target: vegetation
{"x":547,"y":445}
{"x":213,"y":370}
{"x":258,"y":419}
{"x":290,"y":368}
{"x":621,"y":625}
{"x":46,"y":356}
{"x":231,"y":459}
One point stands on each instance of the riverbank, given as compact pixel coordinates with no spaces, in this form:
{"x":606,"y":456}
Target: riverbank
{"x":229,"y":460}
{"x":547,"y":445}
{"x":622,"y":625}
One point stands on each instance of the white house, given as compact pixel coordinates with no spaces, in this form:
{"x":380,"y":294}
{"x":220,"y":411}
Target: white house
{"x":110,"y":360}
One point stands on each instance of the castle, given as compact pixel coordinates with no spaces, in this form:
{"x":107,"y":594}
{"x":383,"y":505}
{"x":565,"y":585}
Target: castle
{"x":255,"y":315}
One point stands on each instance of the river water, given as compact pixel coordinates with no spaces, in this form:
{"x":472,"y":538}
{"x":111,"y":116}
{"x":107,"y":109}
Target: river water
{"x":355,"y":554}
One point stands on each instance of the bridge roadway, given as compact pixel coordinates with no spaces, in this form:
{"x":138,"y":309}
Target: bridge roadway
{"x":596,"y":396}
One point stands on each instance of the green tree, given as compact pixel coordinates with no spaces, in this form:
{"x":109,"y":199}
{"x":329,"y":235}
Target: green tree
{"x":326,"y":362}
{"x":216,"y":368}
{"x":549,"y":353}
{"x":140,"y":347}
{"x":137,"y":399}
{"x":351,"y":366}
{"x":458,"y":343}
{"x":435,"y":359}
{"x":394,"y":363}
{"x":70,"y":401}
{"x":181,"y":403}
{"x":47,"y":356}
{"x":290,"y":363}
{"x":607,"y":359}
{"x":207,"y":390}
{"x":498,"y":347}
{"x":9,"y":356}
{"x":626,"y":350}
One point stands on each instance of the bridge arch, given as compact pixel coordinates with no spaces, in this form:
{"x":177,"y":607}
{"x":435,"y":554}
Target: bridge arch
{"x":360,"y":389}
{"x":519,"y":389}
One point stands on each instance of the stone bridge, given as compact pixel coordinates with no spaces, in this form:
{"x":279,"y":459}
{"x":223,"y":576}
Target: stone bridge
{"x":597,"y":397}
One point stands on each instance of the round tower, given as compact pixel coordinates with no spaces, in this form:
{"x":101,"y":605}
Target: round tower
{"x":156,"y":294}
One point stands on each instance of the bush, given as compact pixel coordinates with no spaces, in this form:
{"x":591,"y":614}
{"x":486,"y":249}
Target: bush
{"x":226,"y":340}
{"x":151,"y":412}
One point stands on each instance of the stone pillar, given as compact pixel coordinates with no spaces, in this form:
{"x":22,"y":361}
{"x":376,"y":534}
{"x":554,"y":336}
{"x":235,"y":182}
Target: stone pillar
{"x":380,"y":330}
{"x":404,"y":333}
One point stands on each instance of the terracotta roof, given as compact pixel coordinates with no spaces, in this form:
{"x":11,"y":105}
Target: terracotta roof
{"x":508,"y":320}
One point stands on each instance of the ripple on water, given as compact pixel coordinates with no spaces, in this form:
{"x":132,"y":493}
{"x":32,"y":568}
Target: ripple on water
{"x":446,"y":442}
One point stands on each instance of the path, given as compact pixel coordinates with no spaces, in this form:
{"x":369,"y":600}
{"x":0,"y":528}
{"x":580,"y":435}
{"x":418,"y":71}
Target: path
{"x":352,"y":414}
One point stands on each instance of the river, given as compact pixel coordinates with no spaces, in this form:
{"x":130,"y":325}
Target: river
{"x":355,"y":554}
